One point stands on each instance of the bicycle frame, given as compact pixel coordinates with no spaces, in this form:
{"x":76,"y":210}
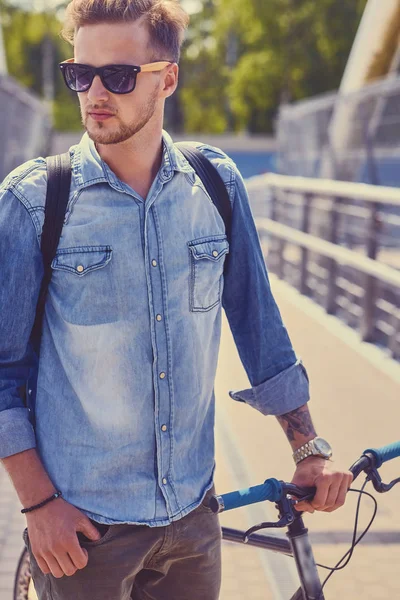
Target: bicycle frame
{"x":298,"y":546}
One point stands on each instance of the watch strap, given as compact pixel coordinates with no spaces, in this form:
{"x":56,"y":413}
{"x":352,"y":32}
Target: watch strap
{"x":306,"y":450}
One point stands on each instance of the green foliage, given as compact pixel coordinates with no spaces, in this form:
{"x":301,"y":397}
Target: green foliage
{"x":279,"y":50}
{"x":240,"y":60}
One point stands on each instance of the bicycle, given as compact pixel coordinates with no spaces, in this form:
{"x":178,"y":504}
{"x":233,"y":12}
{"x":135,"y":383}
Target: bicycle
{"x":283,"y":495}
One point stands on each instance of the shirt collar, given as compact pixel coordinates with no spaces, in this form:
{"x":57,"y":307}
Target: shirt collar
{"x":88,"y":168}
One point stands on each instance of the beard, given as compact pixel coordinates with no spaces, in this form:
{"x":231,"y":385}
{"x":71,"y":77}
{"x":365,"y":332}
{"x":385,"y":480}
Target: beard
{"x":100,"y":134}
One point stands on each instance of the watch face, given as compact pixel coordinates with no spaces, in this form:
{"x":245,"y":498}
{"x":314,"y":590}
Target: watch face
{"x":323,"y":447}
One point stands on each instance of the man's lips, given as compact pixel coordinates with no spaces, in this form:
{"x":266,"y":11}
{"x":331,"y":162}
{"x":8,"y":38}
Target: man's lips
{"x":100,"y":115}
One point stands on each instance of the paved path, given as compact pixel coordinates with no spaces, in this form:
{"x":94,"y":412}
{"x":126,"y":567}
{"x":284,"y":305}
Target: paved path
{"x":355,"y":404}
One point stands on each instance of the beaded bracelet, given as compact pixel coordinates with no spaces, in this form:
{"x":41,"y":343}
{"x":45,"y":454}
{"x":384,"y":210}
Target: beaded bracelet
{"x":53,"y":497}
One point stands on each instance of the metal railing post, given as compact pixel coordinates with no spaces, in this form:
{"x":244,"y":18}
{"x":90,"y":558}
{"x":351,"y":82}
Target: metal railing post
{"x":272,"y":240}
{"x":280,"y":246}
{"x":394,"y":342}
{"x":331,"y":264}
{"x":369,"y":302}
{"x":305,"y":226}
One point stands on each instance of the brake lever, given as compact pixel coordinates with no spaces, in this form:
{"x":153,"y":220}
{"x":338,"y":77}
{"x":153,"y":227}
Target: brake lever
{"x":376,"y":480}
{"x":286,"y":509}
{"x":283,"y":522}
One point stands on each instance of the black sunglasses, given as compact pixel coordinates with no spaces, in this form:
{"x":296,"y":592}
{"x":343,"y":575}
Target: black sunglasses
{"x":117,"y":79}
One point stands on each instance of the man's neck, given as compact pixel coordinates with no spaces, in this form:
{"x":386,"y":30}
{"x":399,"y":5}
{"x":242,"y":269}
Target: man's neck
{"x":136,"y":161}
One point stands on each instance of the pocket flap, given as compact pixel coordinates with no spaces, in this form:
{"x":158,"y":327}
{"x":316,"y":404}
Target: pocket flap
{"x":212,"y":249}
{"x":82,"y":260}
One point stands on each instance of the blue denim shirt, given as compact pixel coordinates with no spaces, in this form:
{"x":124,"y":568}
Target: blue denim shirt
{"x":125,"y":385}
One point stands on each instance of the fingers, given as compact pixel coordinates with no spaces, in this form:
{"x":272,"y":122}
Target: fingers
{"x":66,"y":564}
{"x":304,"y":506}
{"x":327,"y":492}
{"x":79,"y":556}
{"x":63,"y":562}
{"x":341,"y":496}
{"x":89,"y":530}
{"x":51,"y":565}
{"x":323,"y":484}
{"x":43,"y":566}
{"x":330,"y":495}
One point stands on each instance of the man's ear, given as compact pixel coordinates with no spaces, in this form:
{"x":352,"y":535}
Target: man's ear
{"x":171,"y":80}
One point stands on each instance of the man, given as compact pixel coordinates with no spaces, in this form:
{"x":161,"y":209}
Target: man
{"x":125,"y":399}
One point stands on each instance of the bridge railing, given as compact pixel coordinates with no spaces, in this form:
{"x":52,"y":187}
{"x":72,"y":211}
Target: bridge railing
{"x":338,"y":243}
{"x":356,"y":134}
{"x":25,"y":126}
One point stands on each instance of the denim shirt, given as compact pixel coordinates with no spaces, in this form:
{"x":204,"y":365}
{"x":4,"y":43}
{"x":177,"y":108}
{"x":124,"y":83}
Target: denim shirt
{"x":125,"y":383}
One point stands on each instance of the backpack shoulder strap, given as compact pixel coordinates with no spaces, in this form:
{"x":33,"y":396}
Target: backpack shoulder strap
{"x":58,"y":188}
{"x":212,"y":181}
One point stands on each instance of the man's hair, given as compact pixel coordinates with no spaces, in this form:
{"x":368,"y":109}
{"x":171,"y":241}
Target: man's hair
{"x":166,"y":21}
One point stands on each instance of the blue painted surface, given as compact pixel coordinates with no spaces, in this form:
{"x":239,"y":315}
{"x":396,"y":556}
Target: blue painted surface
{"x":254,"y":163}
{"x":387,"y":172}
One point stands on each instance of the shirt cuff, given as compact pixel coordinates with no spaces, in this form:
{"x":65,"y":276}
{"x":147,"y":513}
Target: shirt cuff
{"x":279,"y":395}
{"x":16,"y":432}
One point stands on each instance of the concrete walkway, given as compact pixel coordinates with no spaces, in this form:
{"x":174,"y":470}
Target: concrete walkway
{"x":355,"y":404}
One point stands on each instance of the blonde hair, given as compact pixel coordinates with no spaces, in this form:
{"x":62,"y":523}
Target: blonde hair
{"x":166,"y":21}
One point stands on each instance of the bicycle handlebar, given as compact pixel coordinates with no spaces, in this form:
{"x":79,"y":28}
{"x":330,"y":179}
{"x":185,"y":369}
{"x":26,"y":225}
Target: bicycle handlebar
{"x":385,"y":453}
{"x":272,"y":489}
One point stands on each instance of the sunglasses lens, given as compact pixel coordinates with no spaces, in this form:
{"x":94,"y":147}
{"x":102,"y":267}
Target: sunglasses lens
{"x":120,"y":80}
{"x":78,"y":78}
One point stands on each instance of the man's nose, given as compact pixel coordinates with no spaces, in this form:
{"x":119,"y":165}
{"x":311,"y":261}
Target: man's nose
{"x":97,"y":92}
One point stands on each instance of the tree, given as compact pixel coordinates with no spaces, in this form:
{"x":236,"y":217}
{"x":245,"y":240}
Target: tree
{"x":285,"y":50}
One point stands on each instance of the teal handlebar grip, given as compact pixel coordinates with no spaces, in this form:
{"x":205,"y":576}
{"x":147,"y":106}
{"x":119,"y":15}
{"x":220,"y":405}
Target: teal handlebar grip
{"x":270,"y":490}
{"x":385,"y":453}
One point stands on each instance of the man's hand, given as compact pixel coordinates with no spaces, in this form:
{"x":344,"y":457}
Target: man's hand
{"x":52,"y":536}
{"x":332,"y":485}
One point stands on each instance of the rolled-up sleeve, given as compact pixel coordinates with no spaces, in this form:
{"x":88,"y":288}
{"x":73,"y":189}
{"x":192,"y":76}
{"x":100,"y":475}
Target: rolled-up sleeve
{"x":21,"y":272}
{"x":278,"y":377}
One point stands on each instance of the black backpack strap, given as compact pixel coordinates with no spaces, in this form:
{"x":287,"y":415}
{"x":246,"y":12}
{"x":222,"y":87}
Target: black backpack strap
{"x":58,"y":188}
{"x":212,"y":181}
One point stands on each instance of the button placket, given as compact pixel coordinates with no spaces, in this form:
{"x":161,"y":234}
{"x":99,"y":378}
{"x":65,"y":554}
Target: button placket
{"x":161,"y":353}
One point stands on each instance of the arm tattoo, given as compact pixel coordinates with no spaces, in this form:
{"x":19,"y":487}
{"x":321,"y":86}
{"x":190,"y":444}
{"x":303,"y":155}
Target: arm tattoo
{"x":297,"y":422}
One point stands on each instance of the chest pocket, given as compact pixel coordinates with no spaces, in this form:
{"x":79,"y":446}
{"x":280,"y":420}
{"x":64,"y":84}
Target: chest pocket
{"x":207,"y":257}
{"x":82,"y":285}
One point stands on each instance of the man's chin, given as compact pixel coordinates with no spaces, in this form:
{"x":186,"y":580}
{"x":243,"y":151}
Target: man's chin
{"x":103,"y":137}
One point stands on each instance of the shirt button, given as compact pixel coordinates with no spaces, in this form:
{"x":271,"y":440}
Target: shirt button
{"x":215,"y":253}
{"x":154,"y":263}
{"x":164,"y":427}
{"x":158,"y":317}
{"x":29,"y":392}
{"x":80,"y":269}
{"x":164,"y":481}
{"x":162,"y":375}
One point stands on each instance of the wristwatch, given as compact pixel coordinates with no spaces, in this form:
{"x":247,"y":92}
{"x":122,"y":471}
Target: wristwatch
{"x":316,"y":447}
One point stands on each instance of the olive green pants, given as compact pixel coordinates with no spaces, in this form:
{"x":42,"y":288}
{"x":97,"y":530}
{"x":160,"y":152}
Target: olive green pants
{"x":135,"y":562}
